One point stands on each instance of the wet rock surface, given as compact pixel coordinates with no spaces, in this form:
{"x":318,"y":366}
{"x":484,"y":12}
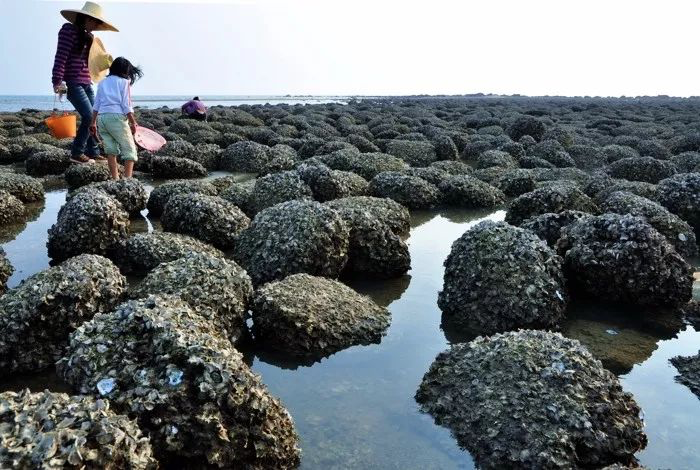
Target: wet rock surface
{"x":81,"y":174}
{"x":548,"y":226}
{"x":37,"y":316}
{"x":367,"y":165}
{"x":11,"y":208}
{"x":130,"y":193}
{"x":645,"y":169}
{"x":6,"y":271}
{"x":688,"y":372}
{"x":554,"y":198}
{"x":159,"y":196}
{"x":410,"y":191}
{"x":23,"y":187}
{"x":209,"y":218}
{"x":276,"y":188}
{"x":293,"y":237}
{"x":532,"y":399}
{"x":160,"y":362}
{"x":470,"y":193}
{"x":327,"y":184}
{"x":499,"y":277}
{"x":176,"y":167}
{"x":53,"y":430}
{"x":48,"y":162}
{"x":681,"y":195}
{"x":206,"y":282}
{"x":313,"y":316}
{"x":385,"y":210}
{"x":622,"y":258}
{"x":412,"y":152}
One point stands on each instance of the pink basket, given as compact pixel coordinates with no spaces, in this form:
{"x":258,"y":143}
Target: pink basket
{"x":148,"y":139}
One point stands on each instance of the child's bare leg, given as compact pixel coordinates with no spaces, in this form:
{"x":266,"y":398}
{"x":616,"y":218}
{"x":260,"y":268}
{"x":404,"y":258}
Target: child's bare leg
{"x":128,"y":168}
{"x":113,"y":166}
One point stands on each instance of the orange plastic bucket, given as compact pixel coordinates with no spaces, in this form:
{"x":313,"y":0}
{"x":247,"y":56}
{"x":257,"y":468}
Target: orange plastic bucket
{"x":62,"y":126}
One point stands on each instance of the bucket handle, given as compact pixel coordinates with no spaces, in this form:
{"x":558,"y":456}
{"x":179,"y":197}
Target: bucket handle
{"x":63,"y":105}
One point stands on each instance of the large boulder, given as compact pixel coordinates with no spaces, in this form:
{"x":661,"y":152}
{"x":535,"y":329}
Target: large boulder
{"x":498,"y":158}
{"x":164,"y":364}
{"x":327,"y":184}
{"x":160,"y":196}
{"x":207,"y":283}
{"x":53,"y":430}
{"x":246,"y":157}
{"x":548,"y":226}
{"x":526,"y":125}
{"x":470,"y":193}
{"x":209,"y":218}
{"x":367,"y":165}
{"x":645,"y":169}
{"x":532,"y":399}
{"x":293,"y":237}
{"x":681,"y":195}
{"x":6,"y":271}
{"x":515,"y":182}
{"x":23,"y":187}
{"x":130,"y":193}
{"x":385,"y":210}
{"x":91,"y":222}
{"x":313,"y":316}
{"x":142,"y":252}
{"x":556,"y":197}
{"x":48,"y":162}
{"x":412,"y":152}
{"x":677,"y":231}
{"x":176,"y":167}
{"x":276,"y":188}
{"x":80,"y":175}
{"x":37,"y":316}
{"x":499,"y":277}
{"x":410,"y":191}
{"x":687,"y":162}
{"x":11,"y":209}
{"x":622,"y":258}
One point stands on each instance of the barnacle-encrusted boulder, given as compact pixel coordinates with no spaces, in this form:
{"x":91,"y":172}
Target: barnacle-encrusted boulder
{"x":453,"y":167}
{"x":142,"y":252}
{"x":526,"y":125}
{"x":687,"y":162}
{"x":468,"y":192}
{"x":497,"y":158}
{"x":681,"y":195}
{"x":91,"y":222}
{"x":210,"y":218}
{"x":275,"y":188}
{"x":515,"y":182}
{"x":676,"y":230}
{"x":23,"y":187}
{"x":532,"y":399}
{"x":548,"y":226}
{"x":410,"y":191}
{"x":130,"y":193}
{"x":37,"y":316}
{"x":246,"y":157}
{"x":6,"y":271}
{"x":313,"y":316}
{"x":47,"y":162}
{"x":622,"y":258}
{"x":80,"y":175}
{"x":159,"y":361}
{"x":205,"y":154}
{"x":640,"y":188}
{"x":646,"y":169}
{"x":556,"y":197}
{"x":239,"y":194}
{"x":53,"y":430}
{"x":11,"y":208}
{"x":176,"y":167}
{"x":499,"y":277}
{"x":327,"y":184}
{"x":159,"y":196}
{"x":206,"y":282}
{"x":412,"y":152}
{"x":293,"y":237}
{"x":689,"y":372}
{"x":428,"y":173}
{"x":367,"y":165}
{"x":385,"y":210}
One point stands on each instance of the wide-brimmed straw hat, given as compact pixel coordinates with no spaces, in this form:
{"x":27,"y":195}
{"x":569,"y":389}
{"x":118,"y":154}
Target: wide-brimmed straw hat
{"x":98,"y":61}
{"x":93,"y":10}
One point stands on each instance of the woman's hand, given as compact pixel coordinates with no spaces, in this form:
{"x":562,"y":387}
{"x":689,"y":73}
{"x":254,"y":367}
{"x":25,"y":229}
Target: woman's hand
{"x":59,"y":89}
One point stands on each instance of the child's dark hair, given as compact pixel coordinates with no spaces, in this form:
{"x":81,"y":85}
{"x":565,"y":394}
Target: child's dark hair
{"x":123,"y":68}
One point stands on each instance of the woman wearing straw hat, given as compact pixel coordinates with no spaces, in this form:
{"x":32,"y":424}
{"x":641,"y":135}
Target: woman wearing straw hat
{"x":78,"y":54}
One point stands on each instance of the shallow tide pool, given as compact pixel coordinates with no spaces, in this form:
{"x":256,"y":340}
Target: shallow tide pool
{"x":356,"y":409}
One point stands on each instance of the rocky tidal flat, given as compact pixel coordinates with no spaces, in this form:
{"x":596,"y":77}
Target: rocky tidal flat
{"x":456,"y":282}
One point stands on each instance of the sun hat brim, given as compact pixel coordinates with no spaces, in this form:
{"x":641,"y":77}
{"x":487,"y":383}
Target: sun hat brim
{"x":71,"y":15}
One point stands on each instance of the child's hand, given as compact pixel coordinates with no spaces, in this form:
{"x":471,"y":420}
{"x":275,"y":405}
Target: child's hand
{"x":93,"y":130}
{"x":132,"y":126}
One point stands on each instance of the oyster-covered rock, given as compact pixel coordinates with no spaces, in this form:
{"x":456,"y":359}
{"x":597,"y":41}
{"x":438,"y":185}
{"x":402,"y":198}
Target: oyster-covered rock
{"x":246,"y":157}
{"x":239,"y":194}
{"x":293,"y":237}
{"x":453,"y":167}
{"x":130,"y":193}
{"x":159,"y":196}
{"x":142,"y":252}
{"x":645,"y":169}
{"x":207,"y":155}
{"x":412,"y":152}
{"x":689,"y":372}
{"x":622,"y":258}
{"x":499,"y":277}
{"x":6,"y":271}
{"x":681,"y":195}
{"x":176,"y":167}
{"x":385,"y":210}
{"x":11,"y":208}
{"x":367,"y":165}
{"x":532,"y":399}
{"x":91,"y":222}
{"x":548,"y":226}
{"x":687,"y":162}
{"x":677,"y":231}
{"x":162,"y":363}
{"x":515,"y":182}
{"x":206,"y":282}
{"x":210,"y":218}
{"x":53,"y":431}
{"x":410,"y":191}
{"x":23,"y":187}
{"x":498,"y":158}
{"x":327,"y":184}
{"x":313,"y":316}
{"x":48,"y":162}
{"x":276,"y":188}
{"x":80,"y":175}
{"x":37,"y":316}
{"x":556,"y":197}
{"x":471,"y":193}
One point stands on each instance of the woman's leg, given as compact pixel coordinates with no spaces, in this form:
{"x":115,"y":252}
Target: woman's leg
{"x":91,"y":148}
{"x":81,"y":102}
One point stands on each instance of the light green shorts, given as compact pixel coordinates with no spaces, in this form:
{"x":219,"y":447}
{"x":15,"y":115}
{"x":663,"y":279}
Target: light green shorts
{"x":116,"y":135}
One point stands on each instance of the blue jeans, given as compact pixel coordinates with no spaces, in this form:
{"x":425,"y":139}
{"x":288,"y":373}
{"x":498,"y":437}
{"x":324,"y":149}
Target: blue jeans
{"x":82,"y":98}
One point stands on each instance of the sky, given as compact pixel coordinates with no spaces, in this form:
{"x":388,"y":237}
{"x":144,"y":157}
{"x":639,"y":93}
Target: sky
{"x":375,"y":47}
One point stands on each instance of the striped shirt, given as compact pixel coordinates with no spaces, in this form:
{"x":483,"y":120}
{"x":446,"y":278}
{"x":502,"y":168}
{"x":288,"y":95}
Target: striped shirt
{"x":70,"y":66}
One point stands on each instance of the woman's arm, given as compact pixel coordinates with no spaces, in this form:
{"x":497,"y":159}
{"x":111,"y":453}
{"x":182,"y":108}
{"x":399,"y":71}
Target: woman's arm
{"x":66,"y":41}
